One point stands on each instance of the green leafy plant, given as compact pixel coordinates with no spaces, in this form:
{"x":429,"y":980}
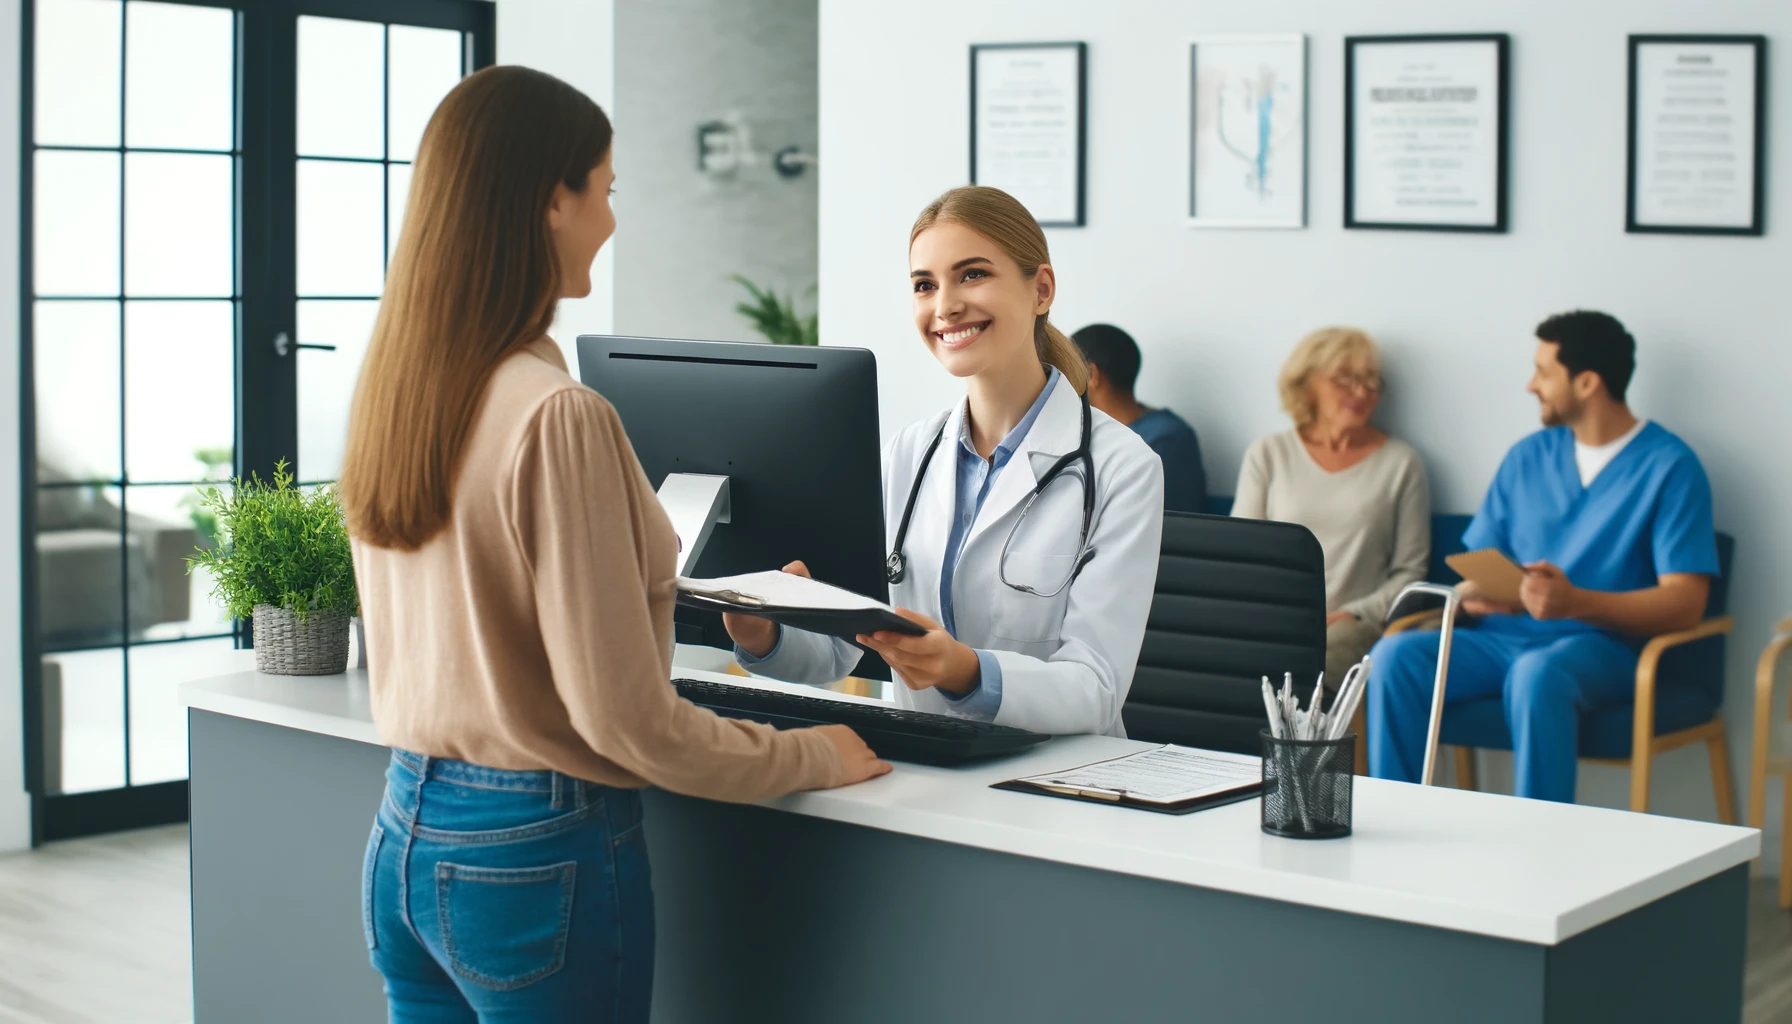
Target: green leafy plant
{"x":278,"y":545}
{"x":217,"y":469}
{"x":776,"y":317}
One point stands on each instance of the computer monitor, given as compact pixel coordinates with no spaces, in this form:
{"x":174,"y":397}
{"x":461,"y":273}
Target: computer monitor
{"x":794,"y":429}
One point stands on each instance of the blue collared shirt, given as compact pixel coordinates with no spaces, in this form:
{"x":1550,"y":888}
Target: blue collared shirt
{"x":976,"y":476}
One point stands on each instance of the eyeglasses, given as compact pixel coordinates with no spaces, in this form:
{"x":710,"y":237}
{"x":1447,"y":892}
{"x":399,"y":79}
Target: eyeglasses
{"x":1367,"y":383}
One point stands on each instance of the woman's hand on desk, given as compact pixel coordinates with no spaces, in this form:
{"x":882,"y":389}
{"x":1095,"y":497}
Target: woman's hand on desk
{"x":857,"y":761}
{"x":756,"y":636}
{"x":933,"y":659}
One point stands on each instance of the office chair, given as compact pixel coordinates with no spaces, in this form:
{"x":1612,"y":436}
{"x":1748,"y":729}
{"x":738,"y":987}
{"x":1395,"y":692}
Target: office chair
{"x":1679,"y":701}
{"x":1236,"y":600}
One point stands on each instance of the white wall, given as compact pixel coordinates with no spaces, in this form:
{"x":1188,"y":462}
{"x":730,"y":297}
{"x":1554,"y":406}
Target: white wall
{"x":572,"y":40}
{"x":15,"y":803}
{"x":1216,"y":312}
{"x":681,"y":233}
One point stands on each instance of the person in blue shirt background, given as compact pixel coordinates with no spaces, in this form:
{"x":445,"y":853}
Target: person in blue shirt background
{"x":1611,"y":518}
{"x":1113,"y":371}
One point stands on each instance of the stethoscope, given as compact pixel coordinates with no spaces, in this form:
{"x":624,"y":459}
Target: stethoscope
{"x":896,"y":566}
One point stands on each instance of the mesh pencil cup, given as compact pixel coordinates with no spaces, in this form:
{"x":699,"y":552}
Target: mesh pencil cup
{"x":1307,"y":786}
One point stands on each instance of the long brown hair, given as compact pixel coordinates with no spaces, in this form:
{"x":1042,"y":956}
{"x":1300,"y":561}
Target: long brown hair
{"x":1002,"y":219}
{"x":474,"y":277}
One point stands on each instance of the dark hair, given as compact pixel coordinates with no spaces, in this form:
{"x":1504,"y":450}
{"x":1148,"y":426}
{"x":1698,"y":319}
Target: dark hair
{"x":1597,"y":342}
{"x":1113,"y":351}
{"x":474,"y":277}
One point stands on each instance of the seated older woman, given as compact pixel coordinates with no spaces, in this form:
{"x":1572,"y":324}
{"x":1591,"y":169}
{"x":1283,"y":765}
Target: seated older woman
{"x":1361,"y":492}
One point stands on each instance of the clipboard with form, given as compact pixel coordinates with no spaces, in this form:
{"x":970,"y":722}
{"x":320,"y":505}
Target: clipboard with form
{"x":1167,"y":779}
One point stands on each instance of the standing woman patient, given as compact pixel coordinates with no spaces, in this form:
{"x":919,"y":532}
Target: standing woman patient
{"x":515,"y":572}
{"x":1023,"y":525}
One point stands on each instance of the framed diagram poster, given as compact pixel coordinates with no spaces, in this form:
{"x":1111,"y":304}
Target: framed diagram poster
{"x":1425,"y":132}
{"x":1697,"y":127}
{"x":1028,"y":118}
{"x":1247,"y":157}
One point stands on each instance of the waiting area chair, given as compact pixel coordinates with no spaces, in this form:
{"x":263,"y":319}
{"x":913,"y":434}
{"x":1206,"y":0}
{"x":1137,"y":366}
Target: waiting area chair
{"x":1236,"y":600}
{"x":1762,"y":764}
{"x":1679,"y":692}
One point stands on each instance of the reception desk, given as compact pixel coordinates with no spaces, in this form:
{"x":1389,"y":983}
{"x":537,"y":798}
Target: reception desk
{"x":925,"y":895}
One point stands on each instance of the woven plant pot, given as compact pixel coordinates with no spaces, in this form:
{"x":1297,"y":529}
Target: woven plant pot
{"x":284,"y":646}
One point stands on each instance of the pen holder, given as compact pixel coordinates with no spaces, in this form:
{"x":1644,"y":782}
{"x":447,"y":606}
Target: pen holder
{"x":1307,"y":786}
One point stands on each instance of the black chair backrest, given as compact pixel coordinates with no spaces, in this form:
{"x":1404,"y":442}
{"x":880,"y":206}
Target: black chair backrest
{"x":1236,"y":600}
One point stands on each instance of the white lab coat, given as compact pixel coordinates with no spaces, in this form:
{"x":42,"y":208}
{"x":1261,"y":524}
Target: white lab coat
{"x":1067,"y":661}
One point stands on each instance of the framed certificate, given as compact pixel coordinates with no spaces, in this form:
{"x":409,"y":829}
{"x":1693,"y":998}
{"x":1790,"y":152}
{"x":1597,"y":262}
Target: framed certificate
{"x":1029,"y":112}
{"x":1247,"y":154}
{"x":1425,"y":130}
{"x":1697,"y":133}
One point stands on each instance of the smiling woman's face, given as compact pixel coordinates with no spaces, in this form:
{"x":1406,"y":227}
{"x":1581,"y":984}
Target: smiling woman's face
{"x":973,"y":307}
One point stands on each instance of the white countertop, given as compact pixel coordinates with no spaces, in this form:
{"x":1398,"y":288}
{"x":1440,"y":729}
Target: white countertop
{"x":1515,"y":869}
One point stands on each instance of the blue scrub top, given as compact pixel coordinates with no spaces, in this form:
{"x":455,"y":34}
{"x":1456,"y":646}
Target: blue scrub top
{"x":1647,"y":514}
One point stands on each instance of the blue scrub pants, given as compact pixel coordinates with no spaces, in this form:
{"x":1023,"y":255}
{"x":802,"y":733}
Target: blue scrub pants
{"x":1546,"y":683}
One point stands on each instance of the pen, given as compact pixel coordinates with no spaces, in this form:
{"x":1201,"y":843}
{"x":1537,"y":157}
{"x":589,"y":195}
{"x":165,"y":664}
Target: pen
{"x":1270,"y":709}
{"x":1099,"y":794}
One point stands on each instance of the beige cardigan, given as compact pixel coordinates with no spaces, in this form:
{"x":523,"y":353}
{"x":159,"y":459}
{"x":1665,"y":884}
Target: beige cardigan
{"x":535,"y":631}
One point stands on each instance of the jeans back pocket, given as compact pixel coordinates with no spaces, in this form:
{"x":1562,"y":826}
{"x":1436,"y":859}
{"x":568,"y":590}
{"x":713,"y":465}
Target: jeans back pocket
{"x":503,"y":928}
{"x":369,"y":866}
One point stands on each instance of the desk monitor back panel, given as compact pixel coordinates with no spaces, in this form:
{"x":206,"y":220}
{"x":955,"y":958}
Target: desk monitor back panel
{"x":795,"y":430}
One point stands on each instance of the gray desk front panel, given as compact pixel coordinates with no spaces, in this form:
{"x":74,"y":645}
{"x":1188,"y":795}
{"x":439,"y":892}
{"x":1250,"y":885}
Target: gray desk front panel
{"x":767,"y":916}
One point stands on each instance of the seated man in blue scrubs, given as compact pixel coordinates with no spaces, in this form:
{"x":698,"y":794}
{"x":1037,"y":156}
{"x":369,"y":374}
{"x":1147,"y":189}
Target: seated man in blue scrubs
{"x":1611,"y":518}
{"x":1113,"y":370}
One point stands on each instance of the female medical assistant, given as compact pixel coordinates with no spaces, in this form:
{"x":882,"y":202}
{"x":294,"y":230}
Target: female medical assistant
{"x":1023,"y":525}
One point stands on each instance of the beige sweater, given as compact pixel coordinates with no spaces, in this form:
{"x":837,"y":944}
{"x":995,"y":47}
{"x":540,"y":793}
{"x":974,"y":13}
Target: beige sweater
{"x":535,"y":631}
{"x":1373,"y":519}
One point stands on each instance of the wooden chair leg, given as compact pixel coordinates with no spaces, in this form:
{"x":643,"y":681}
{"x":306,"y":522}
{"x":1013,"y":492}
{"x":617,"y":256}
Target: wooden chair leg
{"x":1641,"y":760}
{"x":1465,"y":768}
{"x":1724,"y":788}
{"x":1786,"y":846}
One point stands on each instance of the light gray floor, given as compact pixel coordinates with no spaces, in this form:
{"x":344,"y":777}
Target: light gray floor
{"x":95,"y":931}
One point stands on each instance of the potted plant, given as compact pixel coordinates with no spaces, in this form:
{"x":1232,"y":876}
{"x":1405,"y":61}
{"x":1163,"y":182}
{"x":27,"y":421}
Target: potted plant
{"x":776,"y":317}
{"x":282,"y":560}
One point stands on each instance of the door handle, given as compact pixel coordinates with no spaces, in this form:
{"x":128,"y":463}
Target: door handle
{"x":282,"y":344}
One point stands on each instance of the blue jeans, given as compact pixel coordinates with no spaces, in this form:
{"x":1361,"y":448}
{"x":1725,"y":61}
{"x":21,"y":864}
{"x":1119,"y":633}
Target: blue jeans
{"x":497,"y":896}
{"x":1545,"y":683}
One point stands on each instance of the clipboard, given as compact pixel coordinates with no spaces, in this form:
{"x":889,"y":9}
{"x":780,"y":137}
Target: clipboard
{"x":845,"y":624}
{"x":1498,"y":577}
{"x":1168,"y":766}
{"x":1202,"y":803}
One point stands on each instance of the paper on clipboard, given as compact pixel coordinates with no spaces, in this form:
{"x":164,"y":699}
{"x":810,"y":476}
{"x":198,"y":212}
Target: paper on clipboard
{"x":779,"y":590}
{"x":1498,"y":577}
{"x":1167,"y":774}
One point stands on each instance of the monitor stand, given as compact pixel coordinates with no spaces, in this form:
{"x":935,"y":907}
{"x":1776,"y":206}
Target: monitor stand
{"x":696,"y":502}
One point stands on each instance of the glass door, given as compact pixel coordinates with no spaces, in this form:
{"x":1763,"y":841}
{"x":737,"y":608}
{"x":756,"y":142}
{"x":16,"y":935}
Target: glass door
{"x":210,"y":193}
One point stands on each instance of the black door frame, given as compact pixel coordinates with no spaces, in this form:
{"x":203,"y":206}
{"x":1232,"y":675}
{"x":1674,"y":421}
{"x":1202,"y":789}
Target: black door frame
{"x":266,"y":260}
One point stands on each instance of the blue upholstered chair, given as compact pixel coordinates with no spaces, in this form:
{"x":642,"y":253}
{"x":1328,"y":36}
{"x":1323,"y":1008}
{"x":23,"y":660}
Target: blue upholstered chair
{"x":1679,"y":692}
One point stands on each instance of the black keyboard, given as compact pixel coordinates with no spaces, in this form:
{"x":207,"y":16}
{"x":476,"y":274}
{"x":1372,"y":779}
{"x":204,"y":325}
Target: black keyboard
{"x":893,"y":733}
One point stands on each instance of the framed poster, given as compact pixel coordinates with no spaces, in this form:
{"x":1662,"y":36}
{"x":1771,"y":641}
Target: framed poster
{"x":1247,"y":155}
{"x":1029,"y":112}
{"x":1697,"y":135}
{"x":1425,"y":132}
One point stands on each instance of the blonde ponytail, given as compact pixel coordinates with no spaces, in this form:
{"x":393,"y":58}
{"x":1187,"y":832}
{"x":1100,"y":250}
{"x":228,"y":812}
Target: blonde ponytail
{"x":1057,"y":350}
{"x":1002,"y":219}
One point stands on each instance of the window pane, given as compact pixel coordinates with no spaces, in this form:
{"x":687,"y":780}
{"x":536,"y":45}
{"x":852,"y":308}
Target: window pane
{"x":170,"y":524}
{"x":327,"y":380}
{"x":80,"y":556}
{"x":75,"y":358}
{"x":340,"y":212}
{"x":180,"y":387}
{"x":177,"y":231}
{"x":425,"y":65}
{"x":342,"y":75}
{"x":398,"y":189}
{"x":179,"y":76}
{"x":84,"y":694}
{"x":158,"y":718}
{"x":76,"y":59}
{"x":75,"y":237}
